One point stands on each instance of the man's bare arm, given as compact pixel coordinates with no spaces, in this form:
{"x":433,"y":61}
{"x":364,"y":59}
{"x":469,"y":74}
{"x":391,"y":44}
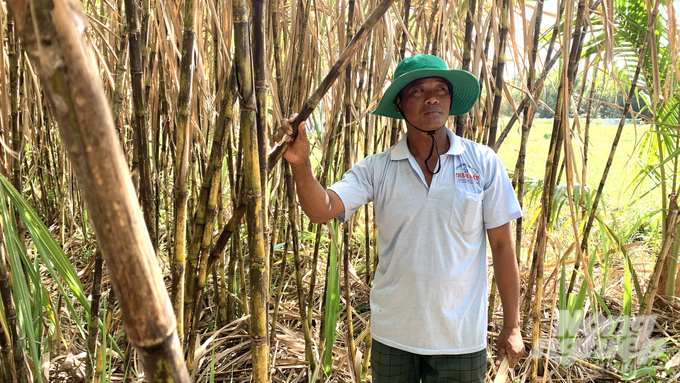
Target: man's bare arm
{"x":319,"y":204}
{"x":510,"y":341}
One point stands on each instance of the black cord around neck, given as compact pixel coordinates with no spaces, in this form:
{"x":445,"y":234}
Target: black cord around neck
{"x":433,"y":148}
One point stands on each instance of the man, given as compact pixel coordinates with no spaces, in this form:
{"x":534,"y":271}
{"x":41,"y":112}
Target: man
{"x":436,"y":196}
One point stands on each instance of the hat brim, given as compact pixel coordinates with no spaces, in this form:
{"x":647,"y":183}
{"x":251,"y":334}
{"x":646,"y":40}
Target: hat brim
{"x":464,"y":94}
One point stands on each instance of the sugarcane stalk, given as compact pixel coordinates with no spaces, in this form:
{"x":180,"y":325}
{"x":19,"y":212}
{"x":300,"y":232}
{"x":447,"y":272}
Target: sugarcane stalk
{"x":261,"y":90}
{"x":313,"y":100}
{"x":231,"y":279}
{"x":482,"y":134}
{"x":218,"y":297}
{"x":223,"y":298}
{"x":93,"y":325}
{"x":274,"y":16}
{"x":440,"y":29}
{"x":586,"y":145}
{"x":16,"y":120}
{"x":323,"y":179}
{"x":550,"y":60}
{"x":292,"y":216}
{"x":432,"y":30}
{"x":12,"y":352}
{"x":183,"y":272}
{"x":259,"y":262}
{"x":538,"y":270}
{"x":40,"y":157}
{"x":243,"y":293}
{"x":71,"y":82}
{"x":539,"y":86}
{"x":668,"y":241}
{"x":207,"y":237}
{"x":279,"y":287}
{"x":311,"y":104}
{"x":349,"y":224}
{"x":227,"y":231}
{"x":162,"y":152}
{"x":148,"y":49}
{"x":394,"y":124}
{"x":559,"y":126}
{"x":233,"y":162}
{"x":141,"y":159}
{"x":404,"y":34}
{"x":550,"y":180}
{"x":617,"y":137}
{"x":158,"y":134}
{"x":101,"y":354}
{"x":302,"y":11}
{"x":368,"y":136}
{"x":117,"y":97}
{"x":211,"y":189}
{"x":529,"y":111}
{"x":670,"y":285}
{"x":205,"y":210}
{"x":347,"y":292}
{"x":14,"y":83}
{"x":274,"y":232}
{"x":7,"y":370}
{"x":498,"y":75}
{"x":467,"y":38}
{"x":467,"y":58}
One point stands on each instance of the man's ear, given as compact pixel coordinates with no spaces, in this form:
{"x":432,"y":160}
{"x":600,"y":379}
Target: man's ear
{"x":397,"y":106}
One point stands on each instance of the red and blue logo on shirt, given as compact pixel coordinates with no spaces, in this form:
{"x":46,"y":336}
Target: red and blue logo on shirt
{"x":467,"y":174}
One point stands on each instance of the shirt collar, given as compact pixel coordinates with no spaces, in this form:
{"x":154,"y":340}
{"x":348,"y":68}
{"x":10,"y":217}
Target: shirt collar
{"x":401,"y":152}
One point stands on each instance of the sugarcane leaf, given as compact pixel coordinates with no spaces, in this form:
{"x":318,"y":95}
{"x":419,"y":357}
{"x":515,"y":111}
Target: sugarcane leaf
{"x":22,"y":291}
{"x":332,"y":300}
{"x":51,"y":254}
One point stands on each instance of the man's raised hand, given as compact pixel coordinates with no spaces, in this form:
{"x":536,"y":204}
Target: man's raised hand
{"x":299,"y":148}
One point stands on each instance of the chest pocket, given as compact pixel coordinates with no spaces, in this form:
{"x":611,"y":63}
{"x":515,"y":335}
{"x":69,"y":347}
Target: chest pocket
{"x":466,"y":213}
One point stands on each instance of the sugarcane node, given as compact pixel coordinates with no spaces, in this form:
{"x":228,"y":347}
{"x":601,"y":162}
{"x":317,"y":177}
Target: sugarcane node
{"x":258,"y":339}
{"x":251,"y":196}
{"x":251,"y":103}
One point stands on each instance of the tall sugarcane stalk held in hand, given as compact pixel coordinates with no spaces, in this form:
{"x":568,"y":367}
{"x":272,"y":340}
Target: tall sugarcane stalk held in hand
{"x":311,"y":104}
{"x":313,"y":100}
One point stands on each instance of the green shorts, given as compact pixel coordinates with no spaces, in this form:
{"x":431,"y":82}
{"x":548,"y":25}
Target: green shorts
{"x":391,"y":365}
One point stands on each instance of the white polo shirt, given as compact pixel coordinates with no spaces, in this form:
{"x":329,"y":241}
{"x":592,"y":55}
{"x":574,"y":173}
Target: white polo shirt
{"x":429,"y":295}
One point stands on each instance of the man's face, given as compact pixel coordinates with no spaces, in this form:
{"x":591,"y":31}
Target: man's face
{"x":425,"y":102}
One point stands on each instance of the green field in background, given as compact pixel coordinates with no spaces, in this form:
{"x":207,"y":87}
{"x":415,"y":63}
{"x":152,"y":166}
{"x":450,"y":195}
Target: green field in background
{"x":620,"y":193}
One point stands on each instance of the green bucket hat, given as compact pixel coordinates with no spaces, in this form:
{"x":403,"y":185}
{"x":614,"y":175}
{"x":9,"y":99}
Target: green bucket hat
{"x":464,"y":94}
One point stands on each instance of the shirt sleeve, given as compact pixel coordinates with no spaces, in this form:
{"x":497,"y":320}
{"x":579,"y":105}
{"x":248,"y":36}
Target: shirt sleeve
{"x":355,"y":189}
{"x":500,"y":202}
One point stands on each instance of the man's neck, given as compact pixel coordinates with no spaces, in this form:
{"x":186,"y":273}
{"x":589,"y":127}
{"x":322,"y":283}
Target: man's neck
{"x":420,"y":143}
